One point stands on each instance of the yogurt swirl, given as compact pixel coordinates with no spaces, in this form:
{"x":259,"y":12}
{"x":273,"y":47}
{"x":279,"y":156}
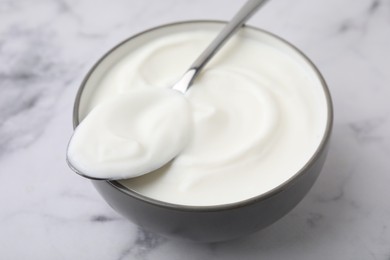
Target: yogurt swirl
{"x":258,"y":115}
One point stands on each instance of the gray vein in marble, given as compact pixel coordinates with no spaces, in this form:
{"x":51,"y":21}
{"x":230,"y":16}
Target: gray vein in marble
{"x":345,"y":26}
{"x":360,"y":21}
{"x":31,"y":80}
{"x":365,"y":131}
{"x":375,"y":5}
{"x":145,"y":242}
{"x":66,"y":8}
{"x":99,"y":218}
{"x":314,"y":219}
{"x":103,"y":218}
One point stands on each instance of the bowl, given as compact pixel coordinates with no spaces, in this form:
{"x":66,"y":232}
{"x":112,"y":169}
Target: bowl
{"x":206,"y":223}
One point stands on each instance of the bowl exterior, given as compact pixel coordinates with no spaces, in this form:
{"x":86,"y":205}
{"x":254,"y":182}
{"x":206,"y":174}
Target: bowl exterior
{"x":219,"y":223}
{"x":212,"y":225}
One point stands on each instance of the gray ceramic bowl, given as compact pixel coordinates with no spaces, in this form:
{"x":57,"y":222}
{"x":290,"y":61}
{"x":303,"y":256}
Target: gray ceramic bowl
{"x":206,"y":223}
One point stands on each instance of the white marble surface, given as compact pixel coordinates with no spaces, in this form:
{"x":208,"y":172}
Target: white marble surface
{"x":47,"y":212}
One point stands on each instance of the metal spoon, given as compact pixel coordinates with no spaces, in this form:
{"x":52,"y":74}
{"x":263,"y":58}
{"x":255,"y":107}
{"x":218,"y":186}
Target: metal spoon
{"x":249,"y":8}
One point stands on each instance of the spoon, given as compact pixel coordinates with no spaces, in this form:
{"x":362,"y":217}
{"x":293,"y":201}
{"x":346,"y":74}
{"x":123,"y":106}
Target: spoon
{"x":246,"y":11}
{"x":249,"y":8}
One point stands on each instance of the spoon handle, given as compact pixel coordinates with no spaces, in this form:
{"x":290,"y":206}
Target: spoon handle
{"x":246,"y":11}
{"x":249,"y":8}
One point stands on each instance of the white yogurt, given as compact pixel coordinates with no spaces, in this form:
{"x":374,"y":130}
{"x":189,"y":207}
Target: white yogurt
{"x":258,"y":113}
{"x":131,"y":134}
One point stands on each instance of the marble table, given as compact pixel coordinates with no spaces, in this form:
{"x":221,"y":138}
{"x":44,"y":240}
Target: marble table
{"x":47,"y":212}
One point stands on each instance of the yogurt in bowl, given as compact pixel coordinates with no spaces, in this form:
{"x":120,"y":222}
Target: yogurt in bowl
{"x":261,"y":120}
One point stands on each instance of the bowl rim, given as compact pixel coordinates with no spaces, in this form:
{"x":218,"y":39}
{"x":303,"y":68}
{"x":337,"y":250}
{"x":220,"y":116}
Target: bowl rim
{"x":234,"y":205}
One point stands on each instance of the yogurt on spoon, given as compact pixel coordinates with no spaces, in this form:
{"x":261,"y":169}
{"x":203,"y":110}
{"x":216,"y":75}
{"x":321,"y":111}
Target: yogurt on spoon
{"x":131,"y":134}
